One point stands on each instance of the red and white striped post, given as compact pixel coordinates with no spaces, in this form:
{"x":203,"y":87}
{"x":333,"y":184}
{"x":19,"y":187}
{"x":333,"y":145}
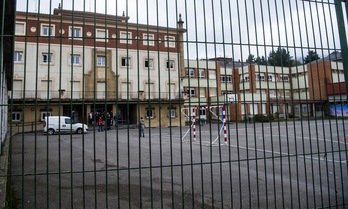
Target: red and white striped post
{"x":194,"y":123}
{"x":224,"y":123}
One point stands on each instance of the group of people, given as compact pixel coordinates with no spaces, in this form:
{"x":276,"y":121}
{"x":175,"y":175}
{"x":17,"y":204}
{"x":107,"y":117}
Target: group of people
{"x":106,"y":119}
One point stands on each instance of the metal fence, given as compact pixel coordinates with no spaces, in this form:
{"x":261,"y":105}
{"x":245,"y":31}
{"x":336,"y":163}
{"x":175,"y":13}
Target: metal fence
{"x":181,"y":104}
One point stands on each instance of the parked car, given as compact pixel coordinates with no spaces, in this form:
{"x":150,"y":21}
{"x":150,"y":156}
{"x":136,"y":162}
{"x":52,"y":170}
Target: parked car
{"x":63,"y":124}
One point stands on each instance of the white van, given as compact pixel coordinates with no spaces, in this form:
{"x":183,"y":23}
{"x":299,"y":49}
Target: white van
{"x":54,"y":124}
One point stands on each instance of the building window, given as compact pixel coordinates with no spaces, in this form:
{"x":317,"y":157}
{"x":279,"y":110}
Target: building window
{"x":191,"y":92}
{"x":101,"y":34}
{"x":284,"y":78}
{"x":202,"y":112}
{"x":171,"y":113}
{"x":169,"y":41}
{"x":170,"y":64}
{"x":47,"y":30}
{"x":18,"y":56}
{"x":149,"y":63}
{"x":75,"y":59}
{"x":125,"y":37}
{"x":16,"y":116}
{"x":190,"y":72}
{"x":150,"y":113}
{"x":20,"y":28}
{"x":226,"y":79}
{"x":101,"y":60}
{"x":44,"y":114}
{"x":75,"y":32}
{"x":202,"y":92}
{"x":226,"y":92}
{"x":201,"y":73}
{"x":148,"y":39}
{"x":47,"y":57}
{"x":244,"y":78}
{"x":271,"y":77}
{"x":260,"y":77}
{"x":212,"y":92}
{"x":212,"y":74}
{"x":125,"y":61}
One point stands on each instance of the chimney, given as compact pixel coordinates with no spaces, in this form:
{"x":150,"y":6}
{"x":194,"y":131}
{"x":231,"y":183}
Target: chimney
{"x":181,"y":31}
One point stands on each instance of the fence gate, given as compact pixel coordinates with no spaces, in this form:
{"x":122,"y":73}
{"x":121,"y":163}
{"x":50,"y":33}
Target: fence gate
{"x":174,"y":104}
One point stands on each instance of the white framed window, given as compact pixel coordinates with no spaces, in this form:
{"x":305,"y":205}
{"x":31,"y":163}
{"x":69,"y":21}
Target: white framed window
{"x":169,"y":41}
{"x":170,"y":64}
{"x":191,"y":92}
{"x":201,"y":73}
{"x":125,"y":37}
{"x":47,"y":30}
{"x":75,"y":59}
{"x":212,"y":92}
{"x":150,"y":113}
{"x":101,"y":34}
{"x":202,"y":92}
{"x":171,"y":113}
{"x":284,"y":78}
{"x":101,"y":60}
{"x":149,"y":63}
{"x":244,"y":78}
{"x":202,"y":113}
{"x":43,"y":114}
{"x":212,"y":74}
{"x":18,"y":56}
{"x":226,"y":92}
{"x":75,"y":32}
{"x":226,"y":79}
{"x":125,"y":61}
{"x":16,"y":116}
{"x":20,"y":28}
{"x":271,"y":77}
{"x":148,"y":39}
{"x":47,"y":57}
{"x":190,"y":72}
{"x":260,"y":77}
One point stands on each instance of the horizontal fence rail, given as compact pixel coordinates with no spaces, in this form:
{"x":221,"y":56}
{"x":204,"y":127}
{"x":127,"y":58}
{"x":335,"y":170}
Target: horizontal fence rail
{"x":174,"y":104}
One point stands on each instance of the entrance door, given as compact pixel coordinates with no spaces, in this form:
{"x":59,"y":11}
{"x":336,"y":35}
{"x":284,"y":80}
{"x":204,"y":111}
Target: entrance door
{"x":318,"y":110}
{"x":122,"y":114}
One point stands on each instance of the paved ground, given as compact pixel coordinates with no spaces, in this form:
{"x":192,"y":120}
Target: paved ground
{"x":279,"y":165}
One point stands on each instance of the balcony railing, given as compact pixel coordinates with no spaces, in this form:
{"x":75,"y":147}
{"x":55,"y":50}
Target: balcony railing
{"x":77,"y":95}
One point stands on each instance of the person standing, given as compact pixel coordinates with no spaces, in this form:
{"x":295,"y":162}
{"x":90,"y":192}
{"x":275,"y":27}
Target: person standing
{"x":100,"y":124}
{"x":90,"y":117}
{"x":108,"y":121}
{"x":141,"y":127}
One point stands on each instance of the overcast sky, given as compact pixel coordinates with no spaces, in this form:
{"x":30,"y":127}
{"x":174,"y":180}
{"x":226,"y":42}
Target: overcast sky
{"x":226,"y":28}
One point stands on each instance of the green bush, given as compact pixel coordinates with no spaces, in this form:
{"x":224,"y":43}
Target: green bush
{"x":261,"y":118}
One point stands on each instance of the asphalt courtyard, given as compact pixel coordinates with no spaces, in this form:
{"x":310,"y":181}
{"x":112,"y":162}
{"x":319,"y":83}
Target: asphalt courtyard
{"x":294,"y":164}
